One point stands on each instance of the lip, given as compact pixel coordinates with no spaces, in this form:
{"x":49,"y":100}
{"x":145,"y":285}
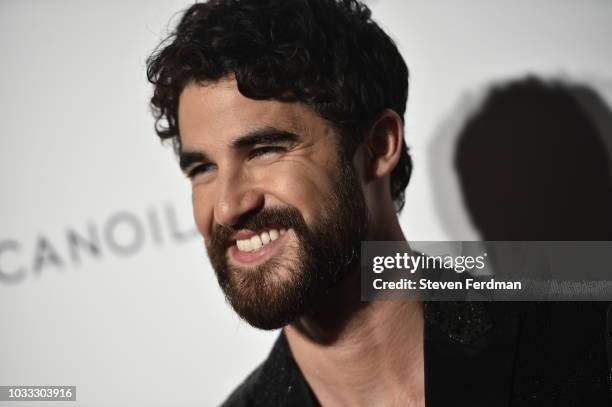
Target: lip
{"x":260,"y":256}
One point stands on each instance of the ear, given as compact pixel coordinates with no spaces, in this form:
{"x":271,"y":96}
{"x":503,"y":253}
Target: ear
{"x":384,"y":144}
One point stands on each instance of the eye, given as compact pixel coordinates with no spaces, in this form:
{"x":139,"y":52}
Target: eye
{"x":265,"y":150}
{"x":200,"y":169}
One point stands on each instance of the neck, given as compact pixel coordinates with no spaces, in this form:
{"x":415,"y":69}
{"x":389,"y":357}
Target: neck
{"x":362,"y":353}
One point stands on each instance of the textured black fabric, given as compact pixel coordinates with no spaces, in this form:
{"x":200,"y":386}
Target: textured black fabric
{"x":276,"y":382}
{"x":481,"y":354}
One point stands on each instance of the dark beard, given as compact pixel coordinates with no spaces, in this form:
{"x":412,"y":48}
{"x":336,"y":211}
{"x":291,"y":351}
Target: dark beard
{"x":282,"y":289}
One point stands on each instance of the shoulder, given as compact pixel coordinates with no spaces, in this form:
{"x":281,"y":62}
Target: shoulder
{"x":244,"y":394}
{"x":542,"y":353}
{"x":562,"y":353}
{"x":278,"y":381}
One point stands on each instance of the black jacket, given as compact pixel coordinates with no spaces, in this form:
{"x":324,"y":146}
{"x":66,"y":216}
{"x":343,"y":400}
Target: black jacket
{"x":481,"y":354}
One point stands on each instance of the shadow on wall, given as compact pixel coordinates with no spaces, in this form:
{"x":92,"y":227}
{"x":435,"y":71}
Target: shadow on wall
{"x":532,"y":162}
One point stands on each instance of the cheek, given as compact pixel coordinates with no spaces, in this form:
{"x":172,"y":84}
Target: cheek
{"x":304,"y":190}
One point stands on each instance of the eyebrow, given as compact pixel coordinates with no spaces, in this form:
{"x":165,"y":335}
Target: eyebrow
{"x":187,"y":158}
{"x":264,"y":135}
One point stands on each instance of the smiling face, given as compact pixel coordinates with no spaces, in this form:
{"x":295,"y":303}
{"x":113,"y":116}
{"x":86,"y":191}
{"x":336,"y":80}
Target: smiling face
{"x":281,"y":211}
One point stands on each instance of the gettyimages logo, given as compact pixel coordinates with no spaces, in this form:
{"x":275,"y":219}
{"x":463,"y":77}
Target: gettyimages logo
{"x":122,"y":234}
{"x":412,"y":263}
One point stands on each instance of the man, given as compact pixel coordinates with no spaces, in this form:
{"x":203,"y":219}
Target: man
{"x":287,"y":116}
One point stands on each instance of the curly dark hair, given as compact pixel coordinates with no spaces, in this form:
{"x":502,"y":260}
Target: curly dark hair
{"x":327,"y":54}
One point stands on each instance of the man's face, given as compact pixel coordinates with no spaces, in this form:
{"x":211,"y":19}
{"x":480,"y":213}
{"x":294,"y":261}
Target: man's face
{"x":282,"y":214}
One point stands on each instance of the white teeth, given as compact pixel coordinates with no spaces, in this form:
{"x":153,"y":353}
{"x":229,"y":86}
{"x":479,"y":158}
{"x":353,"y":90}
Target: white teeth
{"x":244,"y":245}
{"x":257,"y":241}
{"x":265,"y":237}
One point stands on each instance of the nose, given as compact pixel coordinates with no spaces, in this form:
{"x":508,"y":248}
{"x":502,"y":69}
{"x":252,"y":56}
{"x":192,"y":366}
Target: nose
{"x":236,"y":198}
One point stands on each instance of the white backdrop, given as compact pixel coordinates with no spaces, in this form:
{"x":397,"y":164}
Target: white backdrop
{"x":104,"y":284}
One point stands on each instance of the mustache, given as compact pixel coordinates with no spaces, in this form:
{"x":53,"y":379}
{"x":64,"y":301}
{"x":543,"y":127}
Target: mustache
{"x":276,"y":217}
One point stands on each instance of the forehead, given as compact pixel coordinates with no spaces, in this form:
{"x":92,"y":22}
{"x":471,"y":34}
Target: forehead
{"x":216,"y":111}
